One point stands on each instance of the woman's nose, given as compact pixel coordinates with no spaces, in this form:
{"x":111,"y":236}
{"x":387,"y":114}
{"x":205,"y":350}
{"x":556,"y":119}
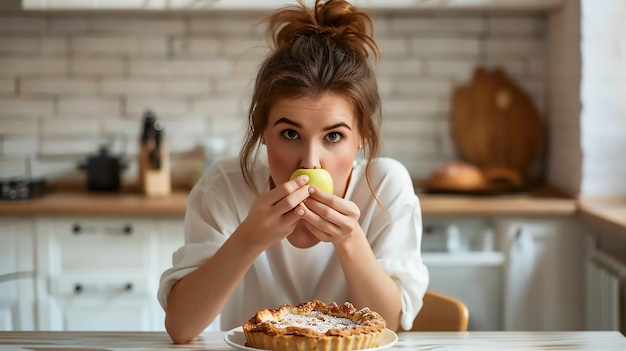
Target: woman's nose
{"x":310,"y":158}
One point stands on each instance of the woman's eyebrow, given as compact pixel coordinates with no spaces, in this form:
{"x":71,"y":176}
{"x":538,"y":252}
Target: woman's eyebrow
{"x":298,"y":125}
{"x":288,"y":121}
{"x":337,"y":125}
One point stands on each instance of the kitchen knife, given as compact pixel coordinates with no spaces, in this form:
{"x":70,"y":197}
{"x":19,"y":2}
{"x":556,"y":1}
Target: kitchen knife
{"x":148,"y":126}
{"x":155,"y":154}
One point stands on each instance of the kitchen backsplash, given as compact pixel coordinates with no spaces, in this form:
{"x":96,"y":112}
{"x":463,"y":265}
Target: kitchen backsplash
{"x":70,"y":82}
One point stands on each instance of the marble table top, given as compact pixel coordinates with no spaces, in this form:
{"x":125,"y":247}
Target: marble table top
{"x":215,"y":341}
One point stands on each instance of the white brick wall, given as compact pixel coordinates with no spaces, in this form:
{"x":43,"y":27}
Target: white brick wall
{"x":565,"y":154}
{"x":26,"y":107}
{"x":603,"y":87}
{"x":18,"y":24}
{"x":68,"y":82}
{"x":138,"y":26}
{"x":32,"y":66}
{"x":95,"y":68}
{"x":119,"y":46}
{"x":20,"y":127}
{"x":62,"y":85}
{"x":587,"y":84}
{"x":7,"y":86}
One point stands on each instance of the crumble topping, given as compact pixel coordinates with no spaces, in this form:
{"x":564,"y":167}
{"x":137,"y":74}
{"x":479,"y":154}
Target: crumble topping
{"x":315,"y":320}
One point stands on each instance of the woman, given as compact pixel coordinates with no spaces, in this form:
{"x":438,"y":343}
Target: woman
{"x":255,"y":239}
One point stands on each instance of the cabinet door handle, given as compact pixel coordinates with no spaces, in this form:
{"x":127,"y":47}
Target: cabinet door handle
{"x":128,"y":229}
{"x":78,"y":229}
{"x":80,"y":288}
{"x":125,"y":230}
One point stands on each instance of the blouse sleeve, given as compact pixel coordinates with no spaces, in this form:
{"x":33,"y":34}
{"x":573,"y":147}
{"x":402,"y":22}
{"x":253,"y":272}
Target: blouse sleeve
{"x":395,"y":234}
{"x":209,"y":219}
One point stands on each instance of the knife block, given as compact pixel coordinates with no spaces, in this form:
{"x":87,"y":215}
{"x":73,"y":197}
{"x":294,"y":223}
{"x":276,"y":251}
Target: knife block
{"x":154,"y":182}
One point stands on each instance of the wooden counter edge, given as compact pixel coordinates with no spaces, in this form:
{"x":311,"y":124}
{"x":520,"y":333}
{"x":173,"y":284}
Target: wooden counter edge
{"x":85,"y":204}
{"x":600,"y":212}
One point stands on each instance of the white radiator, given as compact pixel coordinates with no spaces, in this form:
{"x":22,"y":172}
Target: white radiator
{"x":604,"y":275}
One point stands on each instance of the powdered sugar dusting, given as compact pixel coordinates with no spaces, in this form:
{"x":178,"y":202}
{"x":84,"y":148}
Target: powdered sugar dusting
{"x":315,"y":320}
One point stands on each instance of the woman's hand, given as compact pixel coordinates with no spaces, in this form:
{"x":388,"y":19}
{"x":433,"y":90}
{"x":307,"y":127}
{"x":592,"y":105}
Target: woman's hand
{"x":330,"y":218}
{"x":272,"y":215}
{"x":334,"y":219}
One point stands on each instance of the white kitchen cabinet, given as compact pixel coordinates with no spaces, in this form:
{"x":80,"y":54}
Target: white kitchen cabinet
{"x":102,"y":273}
{"x":465,"y":261}
{"x":545,"y":267}
{"x":512,"y":273}
{"x":171,"y":238}
{"x":17,"y":286}
{"x":605,"y":279}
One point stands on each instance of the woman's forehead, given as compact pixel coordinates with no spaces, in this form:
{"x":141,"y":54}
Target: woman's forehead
{"x":323,"y":106}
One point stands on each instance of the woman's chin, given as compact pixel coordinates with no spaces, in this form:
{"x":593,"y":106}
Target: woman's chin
{"x":302,"y":238}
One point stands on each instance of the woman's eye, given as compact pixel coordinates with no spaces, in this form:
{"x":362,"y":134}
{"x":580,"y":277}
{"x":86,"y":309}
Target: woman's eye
{"x":290,"y":134}
{"x":334,"y":137}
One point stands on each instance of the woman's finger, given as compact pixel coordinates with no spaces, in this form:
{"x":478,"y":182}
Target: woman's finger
{"x":281,"y":191}
{"x":321,"y":235}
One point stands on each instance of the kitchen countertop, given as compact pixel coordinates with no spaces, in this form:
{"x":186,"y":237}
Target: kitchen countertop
{"x":607,"y":213}
{"x":76,"y":202}
{"x":520,"y":205}
{"x":460,"y":341}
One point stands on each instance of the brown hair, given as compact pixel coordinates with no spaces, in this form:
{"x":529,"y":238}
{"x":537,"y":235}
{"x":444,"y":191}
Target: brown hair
{"x":316,"y":51}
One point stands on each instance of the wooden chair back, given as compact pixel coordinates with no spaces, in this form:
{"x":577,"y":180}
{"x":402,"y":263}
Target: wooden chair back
{"x":441,"y":313}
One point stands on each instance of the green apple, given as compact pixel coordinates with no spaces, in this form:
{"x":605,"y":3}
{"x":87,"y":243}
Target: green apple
{"x":318,"y":177}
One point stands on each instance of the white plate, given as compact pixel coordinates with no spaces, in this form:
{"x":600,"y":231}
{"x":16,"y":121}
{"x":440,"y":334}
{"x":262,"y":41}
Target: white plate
{"x":236,"y":339}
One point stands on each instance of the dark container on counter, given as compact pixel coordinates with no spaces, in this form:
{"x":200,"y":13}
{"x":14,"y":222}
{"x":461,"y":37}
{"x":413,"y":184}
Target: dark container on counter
{"x":103,"y":171}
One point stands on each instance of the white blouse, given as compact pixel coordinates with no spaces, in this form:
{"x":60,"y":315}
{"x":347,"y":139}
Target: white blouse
{"x":220,"y":201}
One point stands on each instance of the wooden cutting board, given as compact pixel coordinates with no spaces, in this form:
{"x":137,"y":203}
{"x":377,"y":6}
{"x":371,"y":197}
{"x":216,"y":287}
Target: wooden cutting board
{"x":495,"y":124}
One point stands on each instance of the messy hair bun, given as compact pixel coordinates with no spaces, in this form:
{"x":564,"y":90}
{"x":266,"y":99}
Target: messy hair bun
{"x":339,"y":19}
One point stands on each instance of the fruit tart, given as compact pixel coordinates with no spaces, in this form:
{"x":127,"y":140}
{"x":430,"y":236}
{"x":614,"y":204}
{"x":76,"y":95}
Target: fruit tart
{"x":314,"y":325}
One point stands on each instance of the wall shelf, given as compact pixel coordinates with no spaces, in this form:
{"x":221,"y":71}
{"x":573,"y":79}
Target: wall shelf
{"x":211,"y":5}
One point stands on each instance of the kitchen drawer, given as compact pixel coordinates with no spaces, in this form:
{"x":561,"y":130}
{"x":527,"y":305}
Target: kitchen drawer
{"x":100,"y":273}
{"x":101,"y":284}
{"x":457,"y":235}
{"x":122,"y":313}
{"x":67,"y":245}
{"x":131,"y":316}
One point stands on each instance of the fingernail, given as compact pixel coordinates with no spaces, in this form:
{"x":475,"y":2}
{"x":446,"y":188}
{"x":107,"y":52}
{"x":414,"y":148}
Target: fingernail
{"x":300,"y":212}
{"x":305,"y":179}
{"x":311,"y":189}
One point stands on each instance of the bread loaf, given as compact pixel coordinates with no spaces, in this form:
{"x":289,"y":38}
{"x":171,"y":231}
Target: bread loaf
{"x":456,"y":176}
